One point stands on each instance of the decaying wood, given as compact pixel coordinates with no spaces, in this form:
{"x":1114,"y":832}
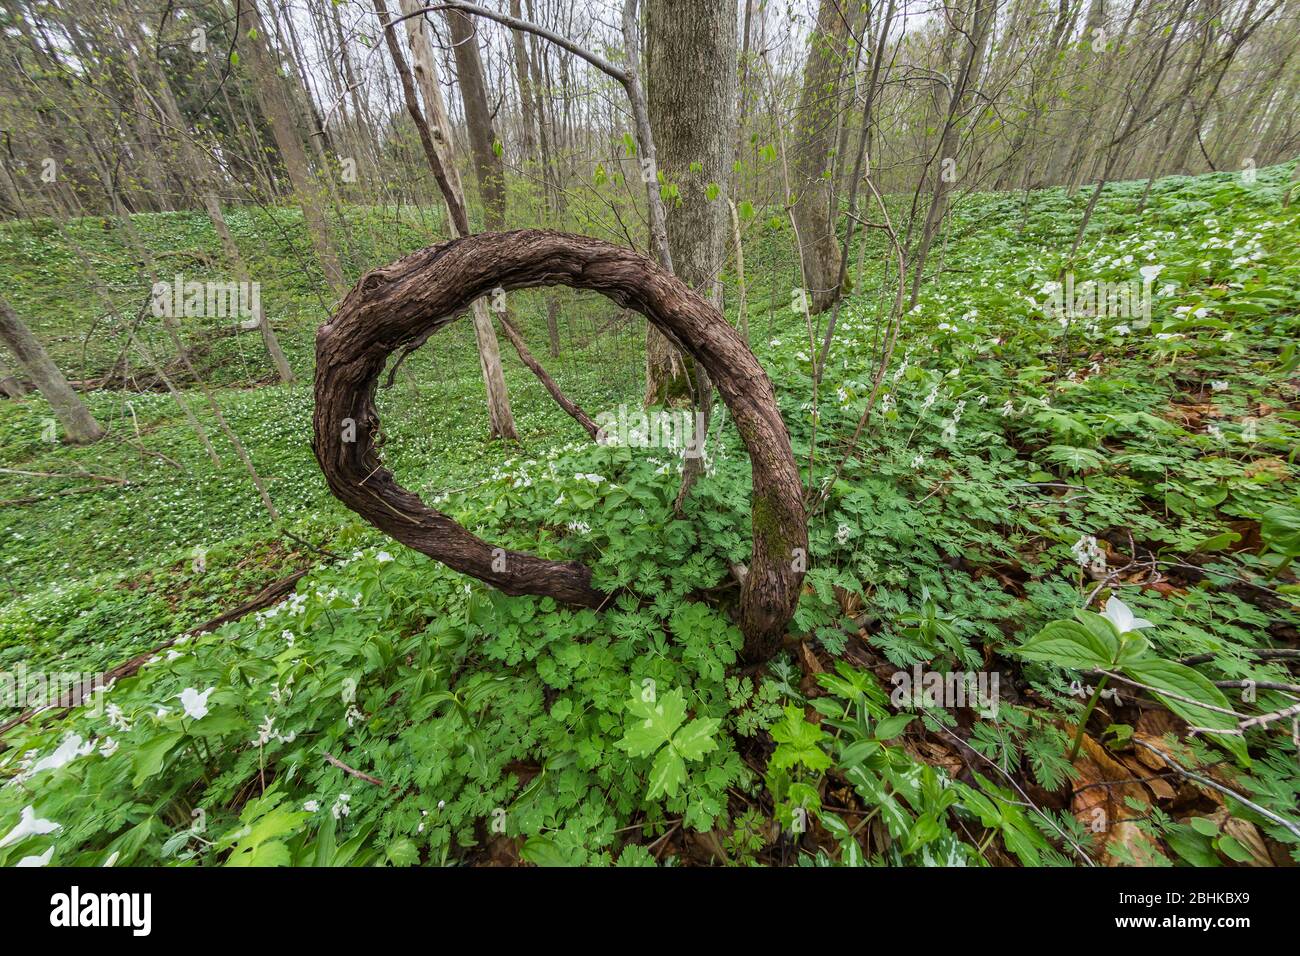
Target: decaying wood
{"x":426,"y":290}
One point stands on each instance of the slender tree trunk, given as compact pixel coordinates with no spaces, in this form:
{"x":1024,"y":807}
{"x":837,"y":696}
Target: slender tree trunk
{"x":691,"y":93}
{"x":441,"y":154}
{"x":522,"y":78}
{"x":79,"y":426}
{"x":553,"y":324}
{"x":271,"y":97}
{"x":950,"y":144}
{"x":488,"y":167}
{"x":814,"y":141}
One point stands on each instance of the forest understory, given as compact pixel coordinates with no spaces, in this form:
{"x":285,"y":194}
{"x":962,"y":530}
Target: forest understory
{"x":1020,"y":590}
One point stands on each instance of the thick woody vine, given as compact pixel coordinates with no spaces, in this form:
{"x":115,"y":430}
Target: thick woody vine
{"x":407,"y":301}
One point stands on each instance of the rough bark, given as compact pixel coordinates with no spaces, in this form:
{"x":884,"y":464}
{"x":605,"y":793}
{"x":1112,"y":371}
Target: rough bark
{"x":691,"y":91}
{"x":10,"y":386}
{"x":488,"y":168}
{"x":691,"y":96}
{"x":424,"y":291}
{"x":522,"y":78}
{"x":79,"y":426}
{"x":814,"y":140}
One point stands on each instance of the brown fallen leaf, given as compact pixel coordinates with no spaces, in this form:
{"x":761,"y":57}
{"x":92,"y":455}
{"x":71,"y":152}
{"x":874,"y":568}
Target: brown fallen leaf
{"x":1244,"y":832}
{"x":1157,"y":785}
{"x":1100,"y":803}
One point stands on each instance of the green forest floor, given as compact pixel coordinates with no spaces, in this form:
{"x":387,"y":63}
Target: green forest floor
{"x":390,"y":710}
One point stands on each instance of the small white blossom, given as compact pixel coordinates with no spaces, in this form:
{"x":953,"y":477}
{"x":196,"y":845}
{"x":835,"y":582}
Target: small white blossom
{"x":41,"y":860}
{"x":1118,"y":613}
{"x":195,"y":704}
{"x":1089,"y":554}
{"x":28,"y":825}
{"x":341,"y":808}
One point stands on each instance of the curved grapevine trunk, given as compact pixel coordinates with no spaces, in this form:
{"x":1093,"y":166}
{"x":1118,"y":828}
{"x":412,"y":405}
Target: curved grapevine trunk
{"x":393,"y":306}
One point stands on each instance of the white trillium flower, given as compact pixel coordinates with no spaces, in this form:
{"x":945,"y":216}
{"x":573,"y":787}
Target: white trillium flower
{"x":195,"y":703}
{"x":1149,"y":273}
{"x":29,"y":825}
{"x":41,"y":860}
{"x":1118,"y":613}
{"x":383,"y":557}
{"x":69,"y":750}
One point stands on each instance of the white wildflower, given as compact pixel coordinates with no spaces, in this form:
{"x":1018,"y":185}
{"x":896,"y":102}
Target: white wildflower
{"x":28,"y":825}
{"x":1118,"y":613}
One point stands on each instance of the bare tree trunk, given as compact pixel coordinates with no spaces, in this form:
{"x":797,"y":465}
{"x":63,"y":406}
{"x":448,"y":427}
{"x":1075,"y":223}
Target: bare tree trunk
{"x":522,"y":78}
{"x":440,"y":151}
{"x":79,"y":426}
{"x":814,"y":140}
{"x":981,"y":23}
{"x":553,"y":324}
{"x":272,"y":98}
{"x":201,"y":172}
{"x":488,"y":167}
{"x":691,"y":93}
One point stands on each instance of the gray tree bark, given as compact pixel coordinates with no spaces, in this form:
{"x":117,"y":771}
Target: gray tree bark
{"x":79,"y":426}
{"x":813,"y":142}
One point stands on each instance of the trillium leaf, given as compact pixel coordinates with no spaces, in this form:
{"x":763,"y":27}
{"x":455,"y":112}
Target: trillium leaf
{"x":892,"y":726}
{"x":1185,"y":682}
{"x":149,"y":757}
{"x":1071,"y":644}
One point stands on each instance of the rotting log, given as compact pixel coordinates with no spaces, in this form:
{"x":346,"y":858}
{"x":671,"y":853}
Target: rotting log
{"x":422,"y":292}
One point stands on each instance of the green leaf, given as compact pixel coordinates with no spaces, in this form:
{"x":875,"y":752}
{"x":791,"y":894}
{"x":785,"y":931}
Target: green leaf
{"x":1071,"y":644}
{"x":402,"y":852}
{"x":1234,"y":850}
{"x":797,"y":741}
{"x":149,"y":756}
{"x":544,"y":851}
{"x":696,"y":739}
{"x":891,"y":727}
{"x":1280,"y":528}
{"x":1187,"y":683}
{"x":653,"y":722}
{"x":667,"y":773}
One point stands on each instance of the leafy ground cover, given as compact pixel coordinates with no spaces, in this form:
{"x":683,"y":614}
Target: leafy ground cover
{"x":1031,"y":502}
